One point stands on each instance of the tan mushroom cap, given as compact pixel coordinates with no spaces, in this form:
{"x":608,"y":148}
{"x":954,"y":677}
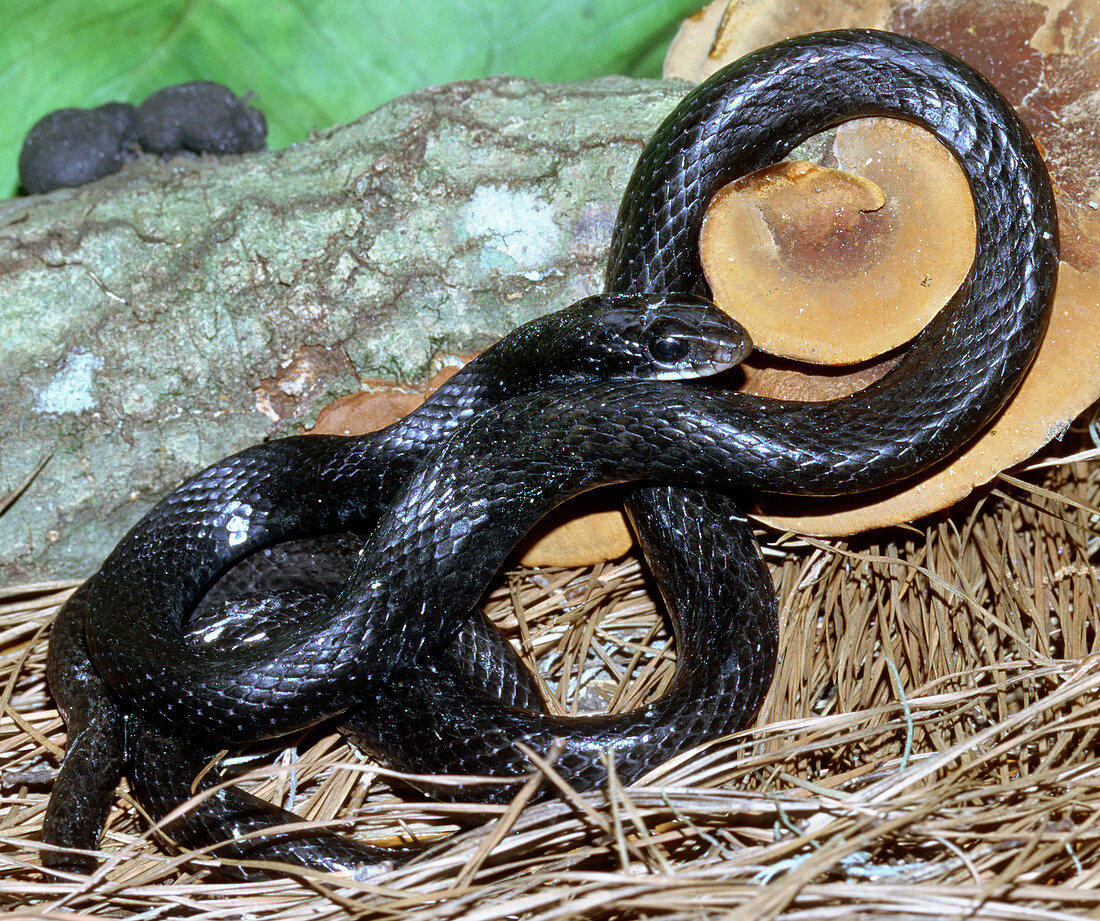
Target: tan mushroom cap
{"x":832,"y":266}
{"x":587,"y":530}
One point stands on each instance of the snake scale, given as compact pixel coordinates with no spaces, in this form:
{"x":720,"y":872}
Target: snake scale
{"x":369,"y":653}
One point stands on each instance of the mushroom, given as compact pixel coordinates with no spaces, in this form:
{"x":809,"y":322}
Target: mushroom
{"x":1026,"y":57}
{"x":200,"y":117}
{"x":837,"y":267}
{"x":1063,"y":381}
{"x":378,"y":403}
{"x":841,"y":264}
{"x":582,"y":532}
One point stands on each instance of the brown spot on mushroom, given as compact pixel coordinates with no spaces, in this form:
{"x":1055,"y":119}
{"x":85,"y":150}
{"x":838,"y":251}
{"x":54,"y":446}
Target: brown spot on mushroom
{"x":810,"y":214}
{"x":836,"y":267}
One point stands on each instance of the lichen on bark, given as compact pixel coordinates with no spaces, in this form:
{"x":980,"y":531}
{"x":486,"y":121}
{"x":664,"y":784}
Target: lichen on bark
{"x":177,"y":311}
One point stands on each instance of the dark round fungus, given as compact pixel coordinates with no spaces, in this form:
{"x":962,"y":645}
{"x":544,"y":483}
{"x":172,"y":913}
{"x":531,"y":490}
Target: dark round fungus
{"x":70,"y":147}
{"x":201,"y":117}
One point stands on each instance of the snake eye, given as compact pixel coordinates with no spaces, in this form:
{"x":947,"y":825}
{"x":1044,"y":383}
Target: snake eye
{"x":668,"y":349}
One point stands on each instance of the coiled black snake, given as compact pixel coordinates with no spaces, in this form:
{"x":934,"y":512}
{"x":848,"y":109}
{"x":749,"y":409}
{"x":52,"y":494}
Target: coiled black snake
{"x":457,"y":515}
{"x":611,"y":336}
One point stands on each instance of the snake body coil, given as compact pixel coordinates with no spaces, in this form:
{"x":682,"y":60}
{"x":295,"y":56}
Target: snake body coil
{"x":610,"y":336}
{"x":473,"y":496}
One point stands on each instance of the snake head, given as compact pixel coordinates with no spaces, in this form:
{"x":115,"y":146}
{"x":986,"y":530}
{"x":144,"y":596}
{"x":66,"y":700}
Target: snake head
{"x":659,"y":337}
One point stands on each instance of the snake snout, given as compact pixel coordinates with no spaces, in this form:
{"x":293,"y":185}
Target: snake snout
{"x":724,"y":343}
{"x":727,"y":355}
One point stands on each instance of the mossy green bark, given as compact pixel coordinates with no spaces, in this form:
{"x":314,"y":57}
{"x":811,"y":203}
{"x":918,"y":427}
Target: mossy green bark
{"x":169,"y":315}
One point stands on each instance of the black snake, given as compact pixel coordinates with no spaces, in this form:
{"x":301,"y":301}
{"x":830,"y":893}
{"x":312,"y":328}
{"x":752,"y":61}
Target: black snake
{"x":610,"y":336}
{"x":454,"y":519}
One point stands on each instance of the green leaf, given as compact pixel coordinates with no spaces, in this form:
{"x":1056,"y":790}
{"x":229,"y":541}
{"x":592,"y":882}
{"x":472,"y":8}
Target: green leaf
{"x":310,"y":63}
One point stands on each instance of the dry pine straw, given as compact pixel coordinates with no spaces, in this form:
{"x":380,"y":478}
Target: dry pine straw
{"x":928,"y":749}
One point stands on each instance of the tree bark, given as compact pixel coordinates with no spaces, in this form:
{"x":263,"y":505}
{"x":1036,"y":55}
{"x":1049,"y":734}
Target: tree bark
{"x":176,"y":312}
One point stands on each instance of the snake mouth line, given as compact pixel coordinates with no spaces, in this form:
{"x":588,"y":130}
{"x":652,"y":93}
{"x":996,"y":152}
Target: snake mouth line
{"x":715,"y":364}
